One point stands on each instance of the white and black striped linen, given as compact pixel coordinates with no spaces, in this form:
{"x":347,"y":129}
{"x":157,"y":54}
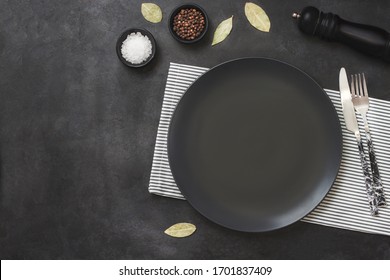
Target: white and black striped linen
{"x":345,"y":206}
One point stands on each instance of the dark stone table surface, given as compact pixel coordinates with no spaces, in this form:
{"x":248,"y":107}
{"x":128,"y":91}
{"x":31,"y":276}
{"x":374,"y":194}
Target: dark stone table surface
{"x":77,"y":130}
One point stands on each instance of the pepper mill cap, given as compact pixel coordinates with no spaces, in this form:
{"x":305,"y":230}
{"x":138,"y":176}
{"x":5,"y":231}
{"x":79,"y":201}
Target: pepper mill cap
{"x":307,"y":19}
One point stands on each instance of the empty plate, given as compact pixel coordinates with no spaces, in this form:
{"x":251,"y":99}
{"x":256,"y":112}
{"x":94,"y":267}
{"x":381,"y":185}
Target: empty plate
{"x":254,"y":144}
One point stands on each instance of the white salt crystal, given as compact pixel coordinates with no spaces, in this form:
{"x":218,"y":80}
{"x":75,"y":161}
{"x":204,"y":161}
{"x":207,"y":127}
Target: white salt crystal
{"x":136,"y":48}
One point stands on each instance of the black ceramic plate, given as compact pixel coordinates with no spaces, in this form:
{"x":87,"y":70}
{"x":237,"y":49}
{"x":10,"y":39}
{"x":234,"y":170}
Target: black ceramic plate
{"x":254,"y":144}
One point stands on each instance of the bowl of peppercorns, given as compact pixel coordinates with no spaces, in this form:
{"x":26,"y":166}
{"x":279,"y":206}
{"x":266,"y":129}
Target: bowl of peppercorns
{"x":188,"y":23}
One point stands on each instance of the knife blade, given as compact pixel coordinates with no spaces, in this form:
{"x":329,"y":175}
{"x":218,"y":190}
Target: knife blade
{"x":346,"y":102}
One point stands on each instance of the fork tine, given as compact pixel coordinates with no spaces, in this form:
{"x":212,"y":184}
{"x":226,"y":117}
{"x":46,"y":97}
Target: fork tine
{"x":365,"y":91}
{"x":357,"y":86}
{"x":361,"y":93}
{"x":353,"y":86}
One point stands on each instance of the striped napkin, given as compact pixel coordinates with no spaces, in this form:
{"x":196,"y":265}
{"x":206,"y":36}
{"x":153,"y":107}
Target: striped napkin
{"x":345,"y":206}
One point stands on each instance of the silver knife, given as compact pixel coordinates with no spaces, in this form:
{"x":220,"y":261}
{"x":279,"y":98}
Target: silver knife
{"x":352,"y":125}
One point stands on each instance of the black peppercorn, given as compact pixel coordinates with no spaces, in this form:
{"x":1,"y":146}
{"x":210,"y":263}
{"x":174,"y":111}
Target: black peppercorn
{"x":189,"y":23}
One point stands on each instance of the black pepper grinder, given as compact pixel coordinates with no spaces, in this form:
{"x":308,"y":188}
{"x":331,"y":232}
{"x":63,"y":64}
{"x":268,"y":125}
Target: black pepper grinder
{"x":365,"y":38}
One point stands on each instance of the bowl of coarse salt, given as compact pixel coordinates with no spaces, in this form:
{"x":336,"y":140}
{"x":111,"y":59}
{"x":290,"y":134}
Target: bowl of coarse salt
{"x":136,"y":47}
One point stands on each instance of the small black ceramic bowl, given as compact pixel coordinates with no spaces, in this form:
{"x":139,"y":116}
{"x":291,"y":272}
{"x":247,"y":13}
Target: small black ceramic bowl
{"x":123,"y":37}
{"x":176,"y":11}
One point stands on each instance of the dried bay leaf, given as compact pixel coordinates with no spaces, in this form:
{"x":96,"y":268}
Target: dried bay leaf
{"x":257,"y":17}
{"x":151,"y":12}
{"x":180,"y":230}
{"x":222,"y":31}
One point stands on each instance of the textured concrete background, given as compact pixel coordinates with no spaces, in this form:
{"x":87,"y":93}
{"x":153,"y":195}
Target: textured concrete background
{"x":77,"y":130}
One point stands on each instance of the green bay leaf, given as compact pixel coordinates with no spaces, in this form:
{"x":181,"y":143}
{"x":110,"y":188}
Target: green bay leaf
{"x":257,"y":17}
{"x":180,"y":230}
{"x":222,"y":31}
{"x":151,"y":12}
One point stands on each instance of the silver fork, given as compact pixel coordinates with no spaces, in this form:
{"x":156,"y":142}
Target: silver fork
{"x":361,"y":103}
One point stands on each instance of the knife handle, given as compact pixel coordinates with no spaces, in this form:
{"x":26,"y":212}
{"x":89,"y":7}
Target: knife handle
{"x":365,"y":38}
{"x":377,"y":182}
{"x":371,"y":196}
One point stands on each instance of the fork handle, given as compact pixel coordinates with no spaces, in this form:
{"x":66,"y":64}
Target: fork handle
{"x":371,"y":196}
{"x":377,"y":182}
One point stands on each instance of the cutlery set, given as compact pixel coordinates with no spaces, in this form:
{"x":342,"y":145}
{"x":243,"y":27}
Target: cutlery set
{"x":356,"y":98}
